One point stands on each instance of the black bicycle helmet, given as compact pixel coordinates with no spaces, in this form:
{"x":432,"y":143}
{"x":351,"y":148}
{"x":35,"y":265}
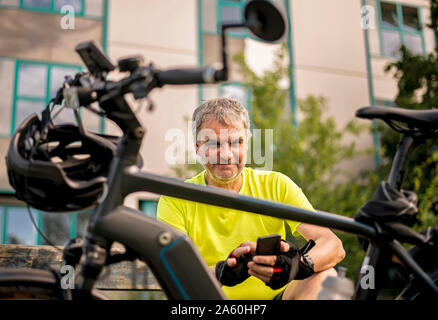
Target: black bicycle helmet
{"x":58,"y":167}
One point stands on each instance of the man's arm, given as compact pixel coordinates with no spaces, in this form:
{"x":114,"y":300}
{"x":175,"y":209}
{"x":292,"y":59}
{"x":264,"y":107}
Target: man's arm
{"x":328,"y":250}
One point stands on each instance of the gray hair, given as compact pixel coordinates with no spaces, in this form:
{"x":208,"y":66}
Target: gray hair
{"x":226,"y":111}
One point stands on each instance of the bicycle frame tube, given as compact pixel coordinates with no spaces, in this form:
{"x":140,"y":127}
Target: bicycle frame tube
{"x":144,"y":181}
{"x":369,"y":264}
{"x":399,"y":163}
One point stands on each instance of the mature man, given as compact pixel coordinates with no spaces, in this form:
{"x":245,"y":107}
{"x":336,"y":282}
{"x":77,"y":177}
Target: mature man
{"x":226,"y":237}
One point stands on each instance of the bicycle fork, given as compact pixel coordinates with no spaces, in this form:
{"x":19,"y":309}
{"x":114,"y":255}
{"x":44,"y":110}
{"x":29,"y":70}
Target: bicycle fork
{"x":95,"y":257}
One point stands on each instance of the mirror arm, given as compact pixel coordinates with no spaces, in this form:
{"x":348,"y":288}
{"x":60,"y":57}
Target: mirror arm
{"x":222,"y":75}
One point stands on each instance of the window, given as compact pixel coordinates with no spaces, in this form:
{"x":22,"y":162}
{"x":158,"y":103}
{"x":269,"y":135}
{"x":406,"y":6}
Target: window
{"x":36,"y":84}
{"x":56,"y":227}
{"x":85,"y":8}
{"x":149,"y":207}
{"x":80,"y":222}
{"x":41,"y":4}
{"x":17,"y":228}
{"x":400,"y":24}
{"x":76,"y":4}
{"x":30,"y":91}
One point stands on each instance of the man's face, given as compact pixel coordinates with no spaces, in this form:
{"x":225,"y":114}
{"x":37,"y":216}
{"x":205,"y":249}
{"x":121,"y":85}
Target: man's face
{"x":222,"y":149}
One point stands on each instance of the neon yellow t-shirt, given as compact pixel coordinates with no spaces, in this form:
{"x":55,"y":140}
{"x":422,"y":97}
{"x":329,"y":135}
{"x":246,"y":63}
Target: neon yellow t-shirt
{"x":217,"y":231}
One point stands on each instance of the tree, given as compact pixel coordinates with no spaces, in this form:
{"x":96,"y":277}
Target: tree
{"x":417,"y":82}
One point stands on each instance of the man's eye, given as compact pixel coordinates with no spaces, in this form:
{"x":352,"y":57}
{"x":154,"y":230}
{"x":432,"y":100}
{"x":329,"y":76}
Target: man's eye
{"x":237,"y":142}
{"x":212,"y":144}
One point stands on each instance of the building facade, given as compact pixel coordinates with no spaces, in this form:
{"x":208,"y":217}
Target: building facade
{"x":336,"y":48}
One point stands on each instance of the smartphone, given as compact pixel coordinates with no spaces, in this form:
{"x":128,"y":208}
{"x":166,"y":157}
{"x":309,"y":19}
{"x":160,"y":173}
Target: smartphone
{"x":268,"y":245}
{"x":95,"y":60}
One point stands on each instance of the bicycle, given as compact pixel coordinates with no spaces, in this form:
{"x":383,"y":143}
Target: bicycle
{"x":173,"y":258}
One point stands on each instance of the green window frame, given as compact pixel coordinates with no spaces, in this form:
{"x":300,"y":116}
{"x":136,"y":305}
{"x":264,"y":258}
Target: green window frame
{"x":400,"y":29}
{"x":51,"y":8}
{"x":5,"y":215}
{"x":41,"y":99}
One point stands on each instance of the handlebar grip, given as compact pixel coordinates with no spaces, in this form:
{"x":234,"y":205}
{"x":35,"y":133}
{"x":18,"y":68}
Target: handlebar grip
{"x":189,"y":75}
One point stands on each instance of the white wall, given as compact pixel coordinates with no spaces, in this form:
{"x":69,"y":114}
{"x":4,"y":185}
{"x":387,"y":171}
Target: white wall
{"x":165,"y":33}
{"x":330,"y":59}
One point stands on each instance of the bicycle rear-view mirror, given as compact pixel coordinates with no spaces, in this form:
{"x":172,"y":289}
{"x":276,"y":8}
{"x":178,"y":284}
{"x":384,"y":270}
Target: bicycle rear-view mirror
{"x":264,"y":20}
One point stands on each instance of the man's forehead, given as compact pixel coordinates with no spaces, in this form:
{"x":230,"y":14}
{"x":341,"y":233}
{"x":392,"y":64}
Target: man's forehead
{"x":216,"y":125}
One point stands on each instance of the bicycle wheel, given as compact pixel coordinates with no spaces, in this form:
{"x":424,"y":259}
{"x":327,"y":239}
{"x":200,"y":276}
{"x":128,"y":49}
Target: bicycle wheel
{"x":32,"y":284}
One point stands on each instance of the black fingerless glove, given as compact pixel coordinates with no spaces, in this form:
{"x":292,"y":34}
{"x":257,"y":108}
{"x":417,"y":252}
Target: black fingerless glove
{"x":289,"y":266}
{"x":231,"y":276}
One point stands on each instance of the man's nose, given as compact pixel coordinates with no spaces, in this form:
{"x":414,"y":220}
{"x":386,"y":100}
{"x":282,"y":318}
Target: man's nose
{"x":226,"y":153}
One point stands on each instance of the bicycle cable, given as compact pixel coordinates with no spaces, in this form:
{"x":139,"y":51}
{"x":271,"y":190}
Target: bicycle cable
{"x":42,"y":233}
{"x":39,"y":230}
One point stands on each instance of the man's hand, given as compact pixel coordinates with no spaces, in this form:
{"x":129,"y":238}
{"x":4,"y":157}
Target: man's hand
{"x":278,"y":270}
{"x":234,"y":269}
{"x":244,"y":248}
{"x":262,"y":267}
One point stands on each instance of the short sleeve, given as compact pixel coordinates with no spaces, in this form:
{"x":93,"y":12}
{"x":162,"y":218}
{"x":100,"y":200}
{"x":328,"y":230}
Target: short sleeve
{"x":171,"y":211}
{"x":294,"y":196}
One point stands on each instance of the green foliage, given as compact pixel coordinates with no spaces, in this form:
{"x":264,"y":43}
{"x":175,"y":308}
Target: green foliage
{"x":433,"y":14}
{"x":417,"y":80}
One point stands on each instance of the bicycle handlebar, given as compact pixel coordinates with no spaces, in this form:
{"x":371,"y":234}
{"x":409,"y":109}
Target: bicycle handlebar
{"x":209,"y":74}
{"x":141,"y":81}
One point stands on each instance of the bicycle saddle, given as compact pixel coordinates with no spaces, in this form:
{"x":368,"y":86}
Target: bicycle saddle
{"x":419,"y":119}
